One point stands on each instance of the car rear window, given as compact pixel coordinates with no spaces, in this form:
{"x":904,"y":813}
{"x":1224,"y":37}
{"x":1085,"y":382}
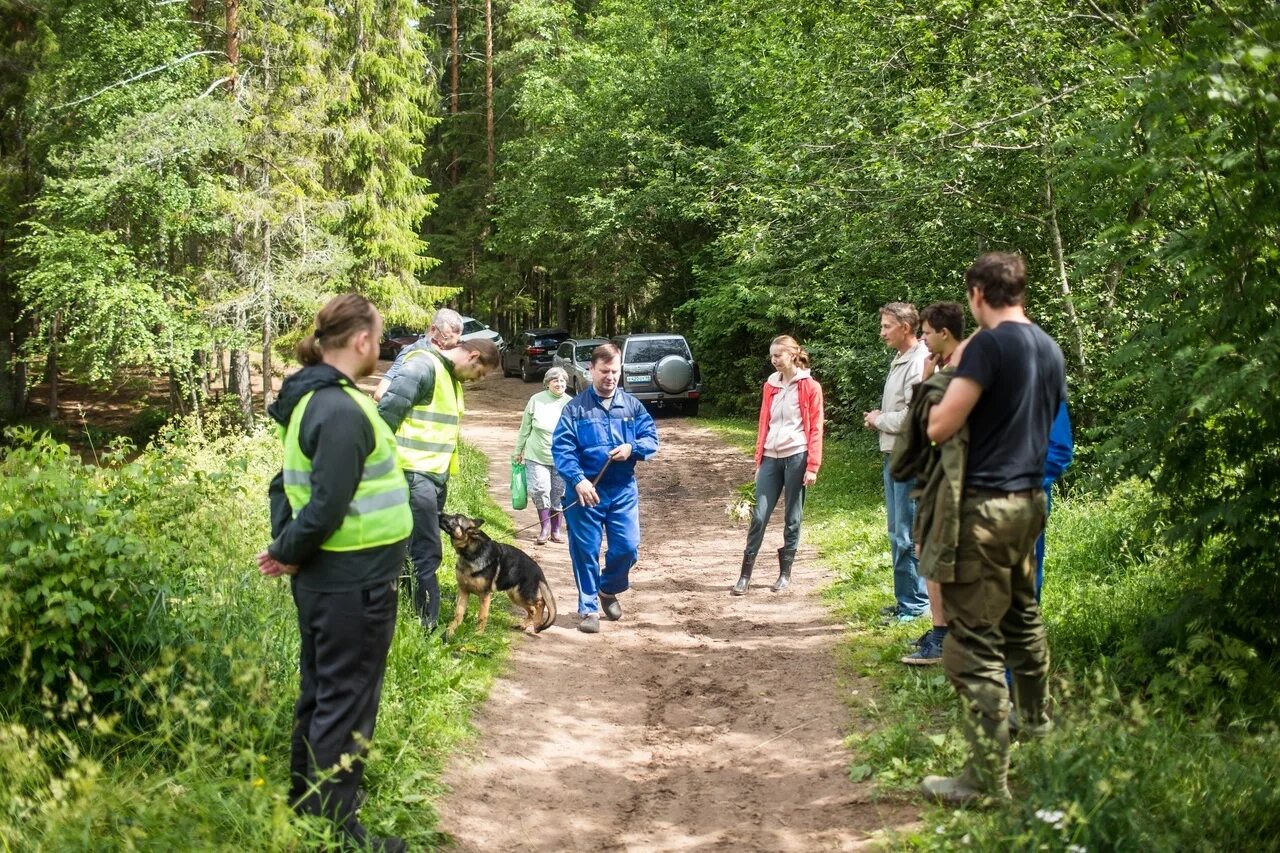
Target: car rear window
{"x":584,"y":352}
{"x":646,"y":351}
{"x":473,"y":326}
{"x":547,"y":343}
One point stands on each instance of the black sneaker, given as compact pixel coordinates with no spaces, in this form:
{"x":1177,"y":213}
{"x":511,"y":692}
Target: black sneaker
{"x":891,"y":610}
{"x":929,"y":653}
{"x":609,"y":604}
{"x":919,"y":641}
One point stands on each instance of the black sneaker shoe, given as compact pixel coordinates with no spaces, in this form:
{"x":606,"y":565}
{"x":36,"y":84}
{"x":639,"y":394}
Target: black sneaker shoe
{"x":930,"y":652}
{"x":891,"y":610}
{"x":609,"y":604}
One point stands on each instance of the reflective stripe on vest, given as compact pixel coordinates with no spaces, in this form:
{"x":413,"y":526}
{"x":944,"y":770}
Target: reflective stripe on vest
{"x":379,"y":511}
{"x":428,"y":436}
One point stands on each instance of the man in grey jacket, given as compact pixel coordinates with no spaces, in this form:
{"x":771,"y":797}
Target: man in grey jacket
{"x":898,"y":321}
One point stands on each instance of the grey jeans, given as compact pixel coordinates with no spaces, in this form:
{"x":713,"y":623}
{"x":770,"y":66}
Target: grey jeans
{"x":773,"y":477}
{"x":546,"y":488}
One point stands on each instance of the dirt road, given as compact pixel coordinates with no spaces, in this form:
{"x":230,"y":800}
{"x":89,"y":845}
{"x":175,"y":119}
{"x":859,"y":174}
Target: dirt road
{"x":697,"y":722}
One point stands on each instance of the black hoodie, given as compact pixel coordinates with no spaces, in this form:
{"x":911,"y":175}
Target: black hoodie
{"x":337,"y":437}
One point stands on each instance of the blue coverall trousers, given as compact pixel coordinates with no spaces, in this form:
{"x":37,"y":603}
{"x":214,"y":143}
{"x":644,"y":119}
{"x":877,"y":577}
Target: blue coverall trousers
{"x":616,"y":517}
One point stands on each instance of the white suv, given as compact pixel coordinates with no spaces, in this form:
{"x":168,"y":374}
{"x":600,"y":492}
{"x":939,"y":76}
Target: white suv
{"x":473,"y":328}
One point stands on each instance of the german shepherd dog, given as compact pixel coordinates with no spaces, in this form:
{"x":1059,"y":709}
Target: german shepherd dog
{"x":485,"y":565}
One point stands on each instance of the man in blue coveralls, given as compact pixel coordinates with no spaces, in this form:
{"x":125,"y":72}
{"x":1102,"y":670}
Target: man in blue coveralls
{"x":601,"y":434}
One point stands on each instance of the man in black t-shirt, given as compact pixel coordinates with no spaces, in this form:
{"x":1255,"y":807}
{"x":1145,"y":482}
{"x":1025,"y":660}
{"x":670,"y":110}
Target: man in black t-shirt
{"x":1008,"y":384}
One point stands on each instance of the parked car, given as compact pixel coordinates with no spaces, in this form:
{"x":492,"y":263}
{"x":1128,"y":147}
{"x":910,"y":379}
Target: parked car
{"x":659,"y":369}
{"x":574,"y":355}
{"x":473,"y":328}
{"x":530,"y":353}
{"x":394,"y":339}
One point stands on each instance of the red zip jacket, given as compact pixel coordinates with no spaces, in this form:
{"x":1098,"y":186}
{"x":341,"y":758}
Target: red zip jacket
{"x":811,"y":417}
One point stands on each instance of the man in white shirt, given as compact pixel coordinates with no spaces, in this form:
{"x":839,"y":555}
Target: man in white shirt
{"x":898,"y":322}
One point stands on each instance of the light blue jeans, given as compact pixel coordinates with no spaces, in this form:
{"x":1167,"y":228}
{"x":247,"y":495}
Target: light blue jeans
{"x":908,"y":587}
{"x":772,"y":478}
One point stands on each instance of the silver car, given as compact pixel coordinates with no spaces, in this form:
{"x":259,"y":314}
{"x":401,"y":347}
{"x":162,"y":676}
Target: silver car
{"x":574,"y":355}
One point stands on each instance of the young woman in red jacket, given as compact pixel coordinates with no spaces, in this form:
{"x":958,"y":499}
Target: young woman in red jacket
{"x":788,"y":455}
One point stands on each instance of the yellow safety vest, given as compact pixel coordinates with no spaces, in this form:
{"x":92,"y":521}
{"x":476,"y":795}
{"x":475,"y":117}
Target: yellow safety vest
{"x":379,"y":510}
{"x":428,"y":436}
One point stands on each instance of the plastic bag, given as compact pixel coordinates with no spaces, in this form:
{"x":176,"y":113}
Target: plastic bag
{"x":519,"y":488}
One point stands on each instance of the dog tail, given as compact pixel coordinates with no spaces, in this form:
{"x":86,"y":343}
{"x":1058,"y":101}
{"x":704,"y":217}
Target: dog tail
{"x":544,"y":589}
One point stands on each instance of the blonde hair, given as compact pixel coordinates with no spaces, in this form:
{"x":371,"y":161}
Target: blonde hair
{"x":792,"y":346}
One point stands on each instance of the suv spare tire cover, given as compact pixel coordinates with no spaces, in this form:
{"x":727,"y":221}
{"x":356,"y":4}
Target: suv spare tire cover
{"x":673,"y":373}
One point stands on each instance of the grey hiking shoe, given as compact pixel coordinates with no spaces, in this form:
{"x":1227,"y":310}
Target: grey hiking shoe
{"x":961,"y":791}
{"x":609,"y":604}
{"x":590,"y":623}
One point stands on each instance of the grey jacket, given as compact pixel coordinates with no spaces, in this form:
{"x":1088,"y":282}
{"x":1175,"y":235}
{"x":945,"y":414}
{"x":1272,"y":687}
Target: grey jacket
{"x":904,"y":375}
{"x":938,"y":471}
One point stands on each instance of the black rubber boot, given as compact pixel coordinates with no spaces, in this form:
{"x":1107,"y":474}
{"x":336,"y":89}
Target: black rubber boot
{"x":744,"y":579}
{"x":785,"y":559}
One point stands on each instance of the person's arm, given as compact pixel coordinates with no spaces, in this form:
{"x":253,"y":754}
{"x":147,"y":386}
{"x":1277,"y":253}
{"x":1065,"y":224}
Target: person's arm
{"x":281,"y":512}
{"x":1061,"y":447}
{"x":646,"y":443}
{"x":415,"y":383}
{"x":946,"y":418}
{"x":813,"y":434}
{"x":564,"y":447}
{"x":526,"y":427}
{"x":338,"y":438}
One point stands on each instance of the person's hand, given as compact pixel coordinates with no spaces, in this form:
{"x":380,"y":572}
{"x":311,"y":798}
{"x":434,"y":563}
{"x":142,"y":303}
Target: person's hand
{"x":810,"y":477}
{"x":270,"y":567}
{"x":869,"y":419}
{"x":518,"y":459}
{"x":930,"y":365}
{"x":620,"y":453}
{"x":586,"y":493}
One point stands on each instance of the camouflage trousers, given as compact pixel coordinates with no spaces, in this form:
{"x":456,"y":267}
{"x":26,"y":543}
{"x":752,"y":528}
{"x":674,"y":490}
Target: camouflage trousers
{"x":994,"y":622}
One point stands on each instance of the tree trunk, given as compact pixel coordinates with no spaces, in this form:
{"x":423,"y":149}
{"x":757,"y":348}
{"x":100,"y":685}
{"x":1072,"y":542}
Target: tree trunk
{"x":268,"y":393}
{"x":51,"y":365}
{"x":232,"y":8}
{"x":241,"y":386}
{"x":1059,"y":259}
{"x":562,"y":305}
{"x":453,"y":87}
{"x":490,"y":151}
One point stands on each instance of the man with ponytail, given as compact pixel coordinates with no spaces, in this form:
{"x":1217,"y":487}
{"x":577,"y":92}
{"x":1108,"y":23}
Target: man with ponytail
{"x":423,"y":406}
{"x":340,"y":520}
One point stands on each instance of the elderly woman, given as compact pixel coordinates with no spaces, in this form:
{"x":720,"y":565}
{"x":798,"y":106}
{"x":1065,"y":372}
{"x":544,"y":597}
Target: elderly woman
{"x":533,"y":448}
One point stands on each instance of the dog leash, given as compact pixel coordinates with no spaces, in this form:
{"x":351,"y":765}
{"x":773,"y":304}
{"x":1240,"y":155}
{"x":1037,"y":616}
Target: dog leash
{"x":560,"y":511}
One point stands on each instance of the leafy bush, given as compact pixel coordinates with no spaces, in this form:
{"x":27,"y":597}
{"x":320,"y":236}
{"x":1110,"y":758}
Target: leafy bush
{"x":101,"y":563}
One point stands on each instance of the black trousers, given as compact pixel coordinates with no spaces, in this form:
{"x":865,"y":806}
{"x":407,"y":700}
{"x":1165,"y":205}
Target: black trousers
{"x":345,"y":640}
{"x":426,"y":502}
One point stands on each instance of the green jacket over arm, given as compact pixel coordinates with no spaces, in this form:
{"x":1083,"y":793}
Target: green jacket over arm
{"x":938,"y":470}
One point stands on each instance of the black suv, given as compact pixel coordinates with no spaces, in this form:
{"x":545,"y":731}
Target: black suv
{"x":659,"y":369}
{"x":529,"y":355}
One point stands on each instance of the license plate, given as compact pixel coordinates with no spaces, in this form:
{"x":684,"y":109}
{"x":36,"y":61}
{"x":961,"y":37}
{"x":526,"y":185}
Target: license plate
{"x":640,"y":378}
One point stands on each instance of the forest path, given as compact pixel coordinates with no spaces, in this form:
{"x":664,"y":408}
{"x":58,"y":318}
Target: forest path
{"x":699,"y":721}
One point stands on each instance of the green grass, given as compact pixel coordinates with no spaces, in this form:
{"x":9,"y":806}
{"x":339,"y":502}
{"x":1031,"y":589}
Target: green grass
{"x":1158,"y":745}
{"x":195,"y":755}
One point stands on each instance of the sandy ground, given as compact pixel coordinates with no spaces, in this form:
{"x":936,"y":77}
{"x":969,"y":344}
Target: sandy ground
{"x":699,"y":721}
